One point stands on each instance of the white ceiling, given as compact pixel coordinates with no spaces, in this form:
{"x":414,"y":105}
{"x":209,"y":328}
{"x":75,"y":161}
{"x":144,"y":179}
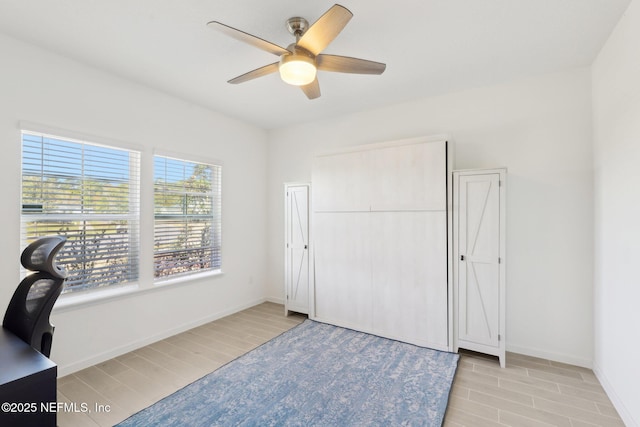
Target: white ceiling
{"x":430,"y":46}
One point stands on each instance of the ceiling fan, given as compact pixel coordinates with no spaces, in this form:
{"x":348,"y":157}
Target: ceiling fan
{"x":300,"y":61}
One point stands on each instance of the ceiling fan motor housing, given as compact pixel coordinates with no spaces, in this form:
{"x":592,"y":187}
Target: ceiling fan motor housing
{"x":297,"y":26}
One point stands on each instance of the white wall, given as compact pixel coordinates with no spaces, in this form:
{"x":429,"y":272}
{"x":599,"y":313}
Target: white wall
{"x":540,"y":128}
{"x":616,"y":124}
{"x":42,"y":87}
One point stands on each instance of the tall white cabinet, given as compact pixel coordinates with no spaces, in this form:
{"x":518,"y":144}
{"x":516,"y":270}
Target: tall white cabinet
{"x":296,"y":256}
{"x":479,"y":223}
{"x":381,"y":227}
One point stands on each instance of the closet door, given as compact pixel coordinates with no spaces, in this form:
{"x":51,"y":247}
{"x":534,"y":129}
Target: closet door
{"x":409,"y":273}
{"x":479,"y":267}
{"x":342,"y":247}
{"x":297,"y":248}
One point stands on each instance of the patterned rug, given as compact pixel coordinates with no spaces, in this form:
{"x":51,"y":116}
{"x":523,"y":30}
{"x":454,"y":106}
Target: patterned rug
{"x":315,"y":375}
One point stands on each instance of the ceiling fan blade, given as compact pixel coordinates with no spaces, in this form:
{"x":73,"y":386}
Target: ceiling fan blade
{"x":248,"y":38}
{"x":312,"y":90}
{"x":258,"y":72}
{"x":325,"y":29}
{"x":346,"y":64}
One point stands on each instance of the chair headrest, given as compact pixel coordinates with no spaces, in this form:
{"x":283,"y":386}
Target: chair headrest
{"x":40,"y":255}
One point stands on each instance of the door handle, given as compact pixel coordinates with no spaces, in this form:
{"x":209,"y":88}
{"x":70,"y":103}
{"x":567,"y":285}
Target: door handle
{"x":461,"y":257}
{"x":305,"y":246}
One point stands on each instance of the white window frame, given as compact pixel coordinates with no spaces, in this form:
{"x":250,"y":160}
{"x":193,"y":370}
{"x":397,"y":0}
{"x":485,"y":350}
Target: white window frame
{"x":216,"y":217}
{"x":132,"y":216}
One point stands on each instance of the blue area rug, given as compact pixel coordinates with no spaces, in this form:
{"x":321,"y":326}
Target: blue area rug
{"x":315,"y":375}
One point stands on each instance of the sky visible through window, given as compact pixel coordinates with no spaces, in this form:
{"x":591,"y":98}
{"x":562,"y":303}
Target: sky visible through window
{"x":171,"y":170}
{"x":64,"y":159}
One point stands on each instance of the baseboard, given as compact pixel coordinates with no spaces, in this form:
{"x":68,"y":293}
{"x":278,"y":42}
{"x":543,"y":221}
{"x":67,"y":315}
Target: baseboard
{"x":624,"y":413}
{"x":556,"y":357}
{"x":118,"y":351}
{"x":275,"y":300}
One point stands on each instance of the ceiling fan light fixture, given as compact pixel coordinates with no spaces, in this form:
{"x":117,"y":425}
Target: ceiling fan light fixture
{"x":297,"y":70}
{"x":300,"y":61}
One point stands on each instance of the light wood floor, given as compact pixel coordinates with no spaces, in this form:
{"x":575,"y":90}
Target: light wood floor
{"x":528,"y":392}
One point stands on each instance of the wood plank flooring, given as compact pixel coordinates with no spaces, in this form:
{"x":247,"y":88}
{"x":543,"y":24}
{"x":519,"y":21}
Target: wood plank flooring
{"x":528,"y":392}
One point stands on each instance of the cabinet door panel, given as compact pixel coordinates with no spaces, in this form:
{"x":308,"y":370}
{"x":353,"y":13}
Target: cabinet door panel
{"x":342,"y":182}
{"x":343,"y":269}
{"x":479,"y":272}
{"x":409,"y":272}
{"x":409,"y":177}
{"x":297,"y":262}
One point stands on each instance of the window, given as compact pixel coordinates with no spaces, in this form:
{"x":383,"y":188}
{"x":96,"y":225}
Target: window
{"x":188,"y":210}
{"x":90,"y":194}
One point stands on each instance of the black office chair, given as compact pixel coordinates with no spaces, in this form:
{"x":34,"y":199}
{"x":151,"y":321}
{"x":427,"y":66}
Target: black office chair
{"x":27,"y":315}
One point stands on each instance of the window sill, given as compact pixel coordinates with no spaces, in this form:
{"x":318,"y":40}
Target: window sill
{"x":72,"y":301}
{"x":161,"y":283}
{"x":90,"y":297}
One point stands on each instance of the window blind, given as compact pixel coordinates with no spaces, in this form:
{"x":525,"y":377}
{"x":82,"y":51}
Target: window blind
{"x":188,"y":217}
{"x":90,"y":194}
